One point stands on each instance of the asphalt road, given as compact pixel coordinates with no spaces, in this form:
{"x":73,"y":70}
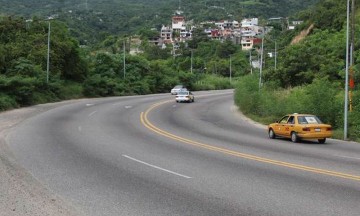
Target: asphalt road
{"x":147,"y":155}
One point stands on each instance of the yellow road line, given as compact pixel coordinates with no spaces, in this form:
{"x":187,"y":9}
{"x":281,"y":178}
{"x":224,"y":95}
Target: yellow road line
{"x":145,"y":121}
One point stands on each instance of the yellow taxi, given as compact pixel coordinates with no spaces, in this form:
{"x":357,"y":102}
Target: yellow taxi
{"x":300,"y":126}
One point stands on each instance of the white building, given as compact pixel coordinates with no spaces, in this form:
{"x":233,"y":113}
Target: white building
{"x":178,"y":23}
{"x":250,"y":22}
{"x":166,"y":34}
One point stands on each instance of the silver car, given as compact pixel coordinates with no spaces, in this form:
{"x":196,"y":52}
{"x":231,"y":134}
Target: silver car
{"x":177,"y":89}
{"x":184,"y":96}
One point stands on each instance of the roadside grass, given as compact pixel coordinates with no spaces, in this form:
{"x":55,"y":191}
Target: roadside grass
{"x":322,"y":98}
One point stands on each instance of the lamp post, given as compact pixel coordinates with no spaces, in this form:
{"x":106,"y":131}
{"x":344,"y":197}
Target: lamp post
{"x":261,"y":59}
{"x":230,"y":69}
{"x":250,"y":62}
{"x":275,"y":55}
{"x":191,"y":68}
{"x":48,"y":56}
{"x":124,"y":58}
{"x":346,"y":71}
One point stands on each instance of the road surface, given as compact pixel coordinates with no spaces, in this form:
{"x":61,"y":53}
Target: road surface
{"x":148,"y":155}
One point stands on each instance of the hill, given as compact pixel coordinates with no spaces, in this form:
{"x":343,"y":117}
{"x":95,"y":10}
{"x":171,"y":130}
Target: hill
{"x":92,"y":20}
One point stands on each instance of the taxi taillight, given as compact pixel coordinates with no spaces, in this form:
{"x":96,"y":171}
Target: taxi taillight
{"x":306,"y":129}
{"x":329,"y":129}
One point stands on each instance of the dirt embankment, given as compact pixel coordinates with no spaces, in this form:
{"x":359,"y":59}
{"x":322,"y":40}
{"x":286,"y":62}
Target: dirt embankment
{"x":302,"y":35}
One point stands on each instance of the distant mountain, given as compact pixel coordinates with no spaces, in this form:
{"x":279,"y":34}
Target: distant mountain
{"x":193,"y":8}
{"x":92,"y":20}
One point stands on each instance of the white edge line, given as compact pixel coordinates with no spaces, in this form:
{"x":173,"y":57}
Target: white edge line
{"x":92,"y":113}
{"x":156,"y":167}
{"x":342,"y":156}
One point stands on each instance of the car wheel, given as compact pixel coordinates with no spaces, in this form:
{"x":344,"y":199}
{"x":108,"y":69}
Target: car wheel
{"x":193,"y":100}
{"x":272,"y":134}
{"x":322,"y":141}
{"x":294,"y":137}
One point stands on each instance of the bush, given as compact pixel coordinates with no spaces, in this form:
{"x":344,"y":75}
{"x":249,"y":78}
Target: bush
{"x":247,"y":96}
{"x":7,"y":102}
{"x":212,"y":82}
{"x":97,"y":85}
{"x":322,"y":98}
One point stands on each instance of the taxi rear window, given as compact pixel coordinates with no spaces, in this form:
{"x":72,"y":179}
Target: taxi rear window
{"x":308,"y":120}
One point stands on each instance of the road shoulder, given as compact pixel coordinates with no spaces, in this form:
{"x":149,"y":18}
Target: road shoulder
{"x":20,"y":193}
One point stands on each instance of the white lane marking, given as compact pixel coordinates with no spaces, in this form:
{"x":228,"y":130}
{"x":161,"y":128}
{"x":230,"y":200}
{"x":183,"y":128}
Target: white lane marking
{"x":156,"y":167}
{"x":89,"y":105}
{"x":79,"y":128}
{"x":92,"y":113}
{"x":347,"y":157}
{"x":128,"y":107}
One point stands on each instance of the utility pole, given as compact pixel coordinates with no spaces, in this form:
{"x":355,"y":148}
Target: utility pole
{"x":275,"y":56}
{"x":347,"y":71}
{"x":230,"y":69}
{"x":48,"y":55}
{"x":352,"y":44}
{"x":124,"y":57}
{"x":191,"y":69}
{"x":250,"y":62}
{"x":261,"y":59}
{"x":173,"y":46}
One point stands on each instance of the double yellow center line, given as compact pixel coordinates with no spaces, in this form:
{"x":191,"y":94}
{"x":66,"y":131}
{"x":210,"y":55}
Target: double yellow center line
{"x":145,"y":121}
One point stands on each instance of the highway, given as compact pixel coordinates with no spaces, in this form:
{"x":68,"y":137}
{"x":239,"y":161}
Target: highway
{"x":148,"y":155}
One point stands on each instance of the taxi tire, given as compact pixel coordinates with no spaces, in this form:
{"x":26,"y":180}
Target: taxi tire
{"x":294,"y":137}
{"x":322,"y":141}
{"x":272,"y":134}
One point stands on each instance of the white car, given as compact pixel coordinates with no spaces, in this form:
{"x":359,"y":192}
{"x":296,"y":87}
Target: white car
{"x":177,"y":89}
{"x":184,"y":96}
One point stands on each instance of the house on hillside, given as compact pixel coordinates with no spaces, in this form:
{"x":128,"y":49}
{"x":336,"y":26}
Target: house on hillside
{"x":250,"y":32}
{"x":166,"y":34}
{"x":293,"y":24}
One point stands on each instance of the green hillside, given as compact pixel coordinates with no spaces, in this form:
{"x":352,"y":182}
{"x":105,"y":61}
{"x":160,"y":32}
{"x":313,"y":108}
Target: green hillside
{"x":92,"y":20}
{"x":309,"y":76}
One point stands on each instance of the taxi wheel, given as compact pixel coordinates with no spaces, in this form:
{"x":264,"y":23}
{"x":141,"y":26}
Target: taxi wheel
{"x":294,"y":137}
{"x":322,"y":141}
{"x":272,"y":134}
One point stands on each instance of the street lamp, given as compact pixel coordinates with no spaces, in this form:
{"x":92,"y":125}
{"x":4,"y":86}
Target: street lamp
{"x":48,"y":55}
{"x":230,"y":69}
{"x":261,"y":58}
{"x":346,"y":71}
{"x":124,"y":58}
{"x":191,"y":59}
{"x":275,"y":55}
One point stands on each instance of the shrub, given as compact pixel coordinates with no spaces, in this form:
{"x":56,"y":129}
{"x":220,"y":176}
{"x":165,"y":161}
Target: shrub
{"x":7,"y":102}
{"x":212,"y":82}
{"x":247,"y":96}
{"x":97,"y":85}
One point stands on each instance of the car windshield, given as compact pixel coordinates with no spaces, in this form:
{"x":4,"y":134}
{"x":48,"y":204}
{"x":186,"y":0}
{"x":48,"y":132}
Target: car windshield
{"x":309,"y":120}
{"x":178,"y":87}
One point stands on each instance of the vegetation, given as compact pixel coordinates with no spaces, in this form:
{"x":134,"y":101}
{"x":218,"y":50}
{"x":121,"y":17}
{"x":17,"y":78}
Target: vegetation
{"x":91,"y":21}
{"x":310,"y":74}
{"x":87,"y":55}
{"x":80,"y":72}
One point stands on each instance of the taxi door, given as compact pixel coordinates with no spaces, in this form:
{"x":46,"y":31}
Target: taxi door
{"x":281,"y":126}
{"x":289,"y":126}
